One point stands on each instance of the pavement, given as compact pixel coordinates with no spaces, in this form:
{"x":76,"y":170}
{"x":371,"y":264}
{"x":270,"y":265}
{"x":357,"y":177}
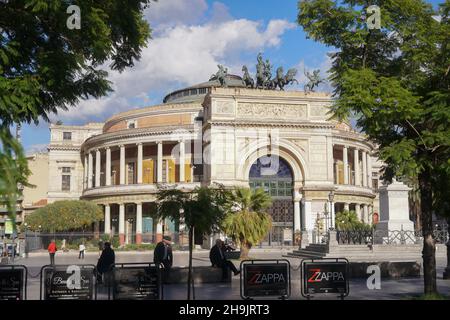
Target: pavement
{"x":404,"y":288}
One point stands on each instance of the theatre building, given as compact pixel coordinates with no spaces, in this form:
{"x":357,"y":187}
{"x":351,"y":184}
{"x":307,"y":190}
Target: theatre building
{"x":282,"y":141}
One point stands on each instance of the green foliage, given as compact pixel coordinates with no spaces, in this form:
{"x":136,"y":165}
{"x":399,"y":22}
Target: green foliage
{"x":203,"y":208}
{"x":46,"y":67}
{"x":13,"y":170}
{"x":115,"y":243}
{"x":137,"y":247}
{"x":65,"y":215}
{"x":396,"y":83}
{"x":348,"y":221}
{"x":247,"y":223}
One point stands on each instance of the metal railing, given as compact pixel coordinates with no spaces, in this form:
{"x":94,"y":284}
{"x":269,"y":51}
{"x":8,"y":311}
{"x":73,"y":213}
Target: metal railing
{"x":370,"y":237}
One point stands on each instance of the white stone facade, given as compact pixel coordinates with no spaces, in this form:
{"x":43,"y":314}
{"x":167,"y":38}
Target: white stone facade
{"x":216,"y":137}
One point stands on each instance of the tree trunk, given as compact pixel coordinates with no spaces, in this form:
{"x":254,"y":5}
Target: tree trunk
{"x":191,"y":243}
{"x":429,"y":244}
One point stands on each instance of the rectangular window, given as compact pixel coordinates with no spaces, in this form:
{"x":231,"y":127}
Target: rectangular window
{"x":65,"y":182}
{"x":66,"y":169}
{"x":67,"y":136}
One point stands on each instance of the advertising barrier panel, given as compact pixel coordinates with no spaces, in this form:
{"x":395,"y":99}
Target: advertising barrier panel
{"x":135,"y":281}
{"x":13,"y":282}
{"x":68,"y":282}
{"x":265,"y":278}
{"x":325,"y":276}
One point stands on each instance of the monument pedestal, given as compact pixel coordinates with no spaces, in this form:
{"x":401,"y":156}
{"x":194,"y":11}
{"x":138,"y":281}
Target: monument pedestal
{"x":394,"y":214}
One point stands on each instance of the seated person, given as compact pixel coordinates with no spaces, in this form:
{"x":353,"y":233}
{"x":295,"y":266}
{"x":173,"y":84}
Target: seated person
{"x":106,"y":260}
{"x":217,"y":257}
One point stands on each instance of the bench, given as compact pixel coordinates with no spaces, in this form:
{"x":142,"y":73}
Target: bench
{"x":201,"y":274}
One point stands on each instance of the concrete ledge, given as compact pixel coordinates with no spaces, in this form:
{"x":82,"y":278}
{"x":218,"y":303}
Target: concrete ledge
{"x":201,"y":274}
{"x":389,"y":270}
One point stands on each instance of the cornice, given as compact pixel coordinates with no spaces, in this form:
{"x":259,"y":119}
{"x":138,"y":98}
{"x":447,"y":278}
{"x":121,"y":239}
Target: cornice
{"x":118,"y":136}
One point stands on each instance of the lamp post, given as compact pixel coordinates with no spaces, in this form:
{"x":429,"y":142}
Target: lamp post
{"x":331,"y":198}
{"x":181,"y":226}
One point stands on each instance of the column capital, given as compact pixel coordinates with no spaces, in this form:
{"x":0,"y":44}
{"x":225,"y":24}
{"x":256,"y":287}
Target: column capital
{"x":107,"y":148}
{"x":139,"y":143}
{"x":158,"y":142}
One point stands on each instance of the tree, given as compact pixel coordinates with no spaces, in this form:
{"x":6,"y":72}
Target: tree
{"x":46,"y":67}
{"x":247,"y":223}
{"x":66,"y":215}
{"x":202,"y":210}
{"x":395,"y":82}
{"x":348,"y":221}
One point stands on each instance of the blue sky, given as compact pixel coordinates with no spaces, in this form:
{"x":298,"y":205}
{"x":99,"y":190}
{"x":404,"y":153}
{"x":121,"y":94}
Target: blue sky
{"x":190,"y":37}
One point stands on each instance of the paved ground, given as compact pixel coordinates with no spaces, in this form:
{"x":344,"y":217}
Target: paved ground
{"x":390,"y":289}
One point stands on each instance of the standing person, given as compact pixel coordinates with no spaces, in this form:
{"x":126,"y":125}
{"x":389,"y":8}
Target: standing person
{"x":162,"y":256}
{"x":100,"y":247}
{"x":218,"y":259}
{"x":105,"y":261}
{"x":81,"y":249}
{"x":51,"y":251}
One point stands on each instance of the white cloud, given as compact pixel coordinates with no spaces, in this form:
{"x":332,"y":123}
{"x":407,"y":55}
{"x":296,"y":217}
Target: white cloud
{"x":181,"y":55}
{"x":164,"y":13}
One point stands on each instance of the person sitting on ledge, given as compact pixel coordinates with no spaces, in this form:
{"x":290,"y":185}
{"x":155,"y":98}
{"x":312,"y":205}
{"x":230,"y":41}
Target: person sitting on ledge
{"x":218,"y":259}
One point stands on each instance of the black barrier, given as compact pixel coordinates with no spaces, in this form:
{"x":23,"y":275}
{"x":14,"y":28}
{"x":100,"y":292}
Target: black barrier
{"x":135,"y":281}
{"x":265,"y":278}
{"x":13,"y":282}
{"x":68,"y":282}
{"x":325,"y":276}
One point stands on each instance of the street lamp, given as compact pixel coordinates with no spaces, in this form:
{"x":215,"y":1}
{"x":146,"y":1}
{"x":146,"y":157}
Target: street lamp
{"x":331,"y":198}
{"x":181,"y":226}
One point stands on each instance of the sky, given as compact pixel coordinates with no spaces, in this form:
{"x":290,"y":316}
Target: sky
{"x":189,"y":39}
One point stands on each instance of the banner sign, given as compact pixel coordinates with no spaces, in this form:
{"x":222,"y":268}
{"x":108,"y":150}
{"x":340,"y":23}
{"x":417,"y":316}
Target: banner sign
{"x":136,"y":282}
{"x":13,"y":282}
{"x":265,"y":278}
{"x":74,"y":282}
{"x":323,"y":276}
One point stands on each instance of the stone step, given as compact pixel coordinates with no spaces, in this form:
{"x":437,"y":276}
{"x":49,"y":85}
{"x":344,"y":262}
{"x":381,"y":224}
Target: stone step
{"x":305,"y":253}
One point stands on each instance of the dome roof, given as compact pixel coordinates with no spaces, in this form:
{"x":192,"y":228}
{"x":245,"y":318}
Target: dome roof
{"x":198,"y":91}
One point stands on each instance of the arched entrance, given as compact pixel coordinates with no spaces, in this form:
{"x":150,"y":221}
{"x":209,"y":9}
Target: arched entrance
{"x":274,"y":175}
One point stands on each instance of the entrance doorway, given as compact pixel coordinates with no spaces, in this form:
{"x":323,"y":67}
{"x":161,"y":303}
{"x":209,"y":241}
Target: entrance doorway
{"x":274,"y":175}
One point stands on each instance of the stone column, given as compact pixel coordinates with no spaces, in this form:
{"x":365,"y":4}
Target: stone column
{"x":346,"y":206}
{"x":122,"y":164}
{"x":159,"y":231}
{"x":356,"y":165}
{"x":122,"y":223}
{"x":358,"y":211}
{"x":138,"y":223}
{"x":369,"y":170}
{"x":309,"y":221}
{"x":107,"y":219}
{"x":345,"y":159}
{"x":98,"y":158}
{"x":108,"y":167}
{"x":90,"y":170}
{"x":139,"y":163}
{"x":366,"y":213}
{"x":159,"y":161}
{"x":182,"y":160}
{"x":364,"y":168}
{"x":297,"y":224}
{"x":336,"y":170}
{"x":86,"y":174}
{"x":333,"y":216}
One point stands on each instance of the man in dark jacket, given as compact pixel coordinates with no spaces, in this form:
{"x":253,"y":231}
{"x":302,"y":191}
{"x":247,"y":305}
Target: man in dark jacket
{"x":107,"y":259}
{"x":218,"y":259}
{"x":163,"y":253}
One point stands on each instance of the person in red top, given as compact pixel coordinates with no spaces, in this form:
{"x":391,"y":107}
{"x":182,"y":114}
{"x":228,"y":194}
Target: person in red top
{"x":52,"y":250}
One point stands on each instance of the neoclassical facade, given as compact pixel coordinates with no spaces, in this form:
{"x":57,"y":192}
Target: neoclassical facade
{"x":282,"y":141}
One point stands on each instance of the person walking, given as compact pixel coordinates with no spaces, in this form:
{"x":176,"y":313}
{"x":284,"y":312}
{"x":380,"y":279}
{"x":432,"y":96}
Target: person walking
{"x":51,"y":251}
{"x":100,"y":247}
{"x":218,"y":259}
{"x":81,"y":250}
{"x":162,"y":256}
{"x":105,"y":261}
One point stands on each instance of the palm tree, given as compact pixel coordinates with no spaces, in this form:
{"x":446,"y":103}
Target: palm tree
{"x":202,"y":209}
{"x":247,"y":223}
